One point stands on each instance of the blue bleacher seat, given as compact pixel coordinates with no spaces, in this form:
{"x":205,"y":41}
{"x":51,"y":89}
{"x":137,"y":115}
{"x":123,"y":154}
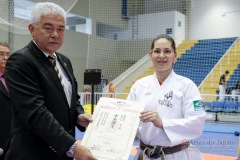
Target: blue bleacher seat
{"x":209,"y":51}
{"x":230,"y":107}
{"x":217,"y":106}
{"x":238,"y":107}
{"x":234,"y":77}
{"x":208,"y":106}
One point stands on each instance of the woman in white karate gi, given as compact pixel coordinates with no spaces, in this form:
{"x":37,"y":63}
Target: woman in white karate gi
{"x":174,"y":113}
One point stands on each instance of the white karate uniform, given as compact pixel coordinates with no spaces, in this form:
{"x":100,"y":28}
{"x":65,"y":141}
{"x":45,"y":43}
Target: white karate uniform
{"x":222,"y":92}
{"x":182,"y":120}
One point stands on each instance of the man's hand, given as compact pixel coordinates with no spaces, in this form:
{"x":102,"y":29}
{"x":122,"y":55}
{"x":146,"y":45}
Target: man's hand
{"x":84,"y":119}
{"x":82,"y":153}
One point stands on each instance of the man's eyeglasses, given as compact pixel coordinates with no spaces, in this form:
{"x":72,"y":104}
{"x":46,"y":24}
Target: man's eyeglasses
{"x":2,"y":54}
{"x":165,"y":52}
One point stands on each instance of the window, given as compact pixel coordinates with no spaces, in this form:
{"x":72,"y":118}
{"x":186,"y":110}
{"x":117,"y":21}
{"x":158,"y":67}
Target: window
{"x":169,"y":31}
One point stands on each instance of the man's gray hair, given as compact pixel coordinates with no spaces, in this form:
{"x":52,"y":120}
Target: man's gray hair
{"x":43,"y":8}
{"x":5,"y":44}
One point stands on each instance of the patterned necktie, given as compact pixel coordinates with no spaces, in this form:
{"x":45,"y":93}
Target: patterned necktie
{"x":3,"y":81}
{"x":52,"y":59}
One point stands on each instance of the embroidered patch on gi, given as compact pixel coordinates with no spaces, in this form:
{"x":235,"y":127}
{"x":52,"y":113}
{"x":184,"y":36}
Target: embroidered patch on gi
{"x":198,"y":105}
{"x":167,"y":99}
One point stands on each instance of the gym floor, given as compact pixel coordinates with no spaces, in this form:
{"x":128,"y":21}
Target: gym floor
{"x":219,"y":141}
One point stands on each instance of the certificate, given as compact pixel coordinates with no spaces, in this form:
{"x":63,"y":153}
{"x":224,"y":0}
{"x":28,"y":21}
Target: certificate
{"x":111,"y":134}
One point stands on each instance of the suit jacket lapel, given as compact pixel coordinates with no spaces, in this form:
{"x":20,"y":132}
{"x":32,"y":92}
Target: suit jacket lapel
{"x":39,"y":55}
{"x":3,"y":89}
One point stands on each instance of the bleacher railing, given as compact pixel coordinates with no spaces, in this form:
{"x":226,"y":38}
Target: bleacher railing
{"x":227,"y":110}
{"x":86,"y":97}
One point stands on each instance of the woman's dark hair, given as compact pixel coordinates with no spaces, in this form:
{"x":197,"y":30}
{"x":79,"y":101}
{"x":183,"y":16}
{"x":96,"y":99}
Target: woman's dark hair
{"x":166,"y":37}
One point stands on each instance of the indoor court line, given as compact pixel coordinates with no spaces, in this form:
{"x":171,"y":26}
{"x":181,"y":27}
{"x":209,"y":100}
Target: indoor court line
{"x":213,"y":131}
{"x":205,"y":156}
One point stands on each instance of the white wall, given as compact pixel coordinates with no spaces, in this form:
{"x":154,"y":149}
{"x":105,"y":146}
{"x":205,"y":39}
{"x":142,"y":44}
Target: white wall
{"x":157,"y":23}
{"x":179,"y":31}
{"x":206,"y":20}
{"x":3,"y":35}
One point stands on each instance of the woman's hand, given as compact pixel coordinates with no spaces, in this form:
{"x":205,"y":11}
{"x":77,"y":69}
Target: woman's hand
{"x":151,"y":116}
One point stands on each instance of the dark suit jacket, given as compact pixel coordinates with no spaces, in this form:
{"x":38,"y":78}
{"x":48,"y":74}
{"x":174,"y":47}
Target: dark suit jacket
{"x":44,"y":123}
{"x":5,"y":118}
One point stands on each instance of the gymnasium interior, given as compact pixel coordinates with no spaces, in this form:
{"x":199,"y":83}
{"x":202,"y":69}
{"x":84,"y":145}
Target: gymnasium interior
{"x":114,"y":37}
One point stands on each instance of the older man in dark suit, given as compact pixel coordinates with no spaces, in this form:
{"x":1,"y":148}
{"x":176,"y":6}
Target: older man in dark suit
{"x":44,"y":93}
{"x":5,"y":108}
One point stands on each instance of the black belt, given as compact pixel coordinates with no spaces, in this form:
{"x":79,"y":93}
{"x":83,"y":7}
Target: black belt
{"x":159,"y":151}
